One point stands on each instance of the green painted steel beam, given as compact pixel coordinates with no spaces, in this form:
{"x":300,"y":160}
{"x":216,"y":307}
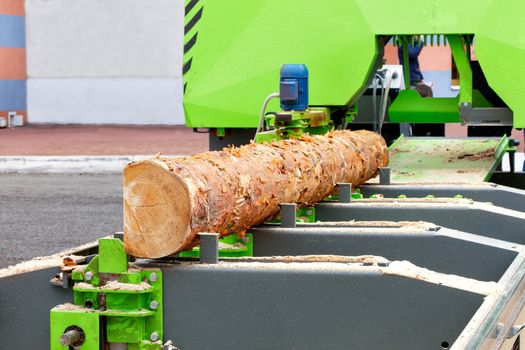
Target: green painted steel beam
{"x":463,"y":65}
{"x":410,"y":107}
{"x":406,"y":65}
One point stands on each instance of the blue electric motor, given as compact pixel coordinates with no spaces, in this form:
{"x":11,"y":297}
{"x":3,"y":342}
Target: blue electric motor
{"x":294,"y":87}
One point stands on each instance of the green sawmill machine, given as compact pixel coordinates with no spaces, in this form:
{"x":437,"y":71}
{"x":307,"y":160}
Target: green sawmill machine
{"x":234,"y":51}
{"x":429,"y":255}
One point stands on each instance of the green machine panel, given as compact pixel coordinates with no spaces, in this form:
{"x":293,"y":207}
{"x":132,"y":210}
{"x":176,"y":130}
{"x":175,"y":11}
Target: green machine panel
{"x":234,"y":49}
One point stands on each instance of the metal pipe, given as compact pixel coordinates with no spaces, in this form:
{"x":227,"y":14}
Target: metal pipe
{"x":260,"y":126}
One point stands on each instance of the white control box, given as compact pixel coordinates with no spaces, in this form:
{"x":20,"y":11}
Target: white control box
{"x":398,"y":81}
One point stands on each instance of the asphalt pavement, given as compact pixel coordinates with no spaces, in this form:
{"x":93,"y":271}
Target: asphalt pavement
{"x":43,"y":214}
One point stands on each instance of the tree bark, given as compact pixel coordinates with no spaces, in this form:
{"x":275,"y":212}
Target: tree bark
{"x":167,"y":202}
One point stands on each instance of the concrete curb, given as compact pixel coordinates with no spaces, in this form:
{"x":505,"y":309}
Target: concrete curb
{"x":68,"y":164}
{"x":104,"y":164}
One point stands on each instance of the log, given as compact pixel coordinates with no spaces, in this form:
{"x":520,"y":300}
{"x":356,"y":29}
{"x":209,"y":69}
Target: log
{"x":168,"y":201}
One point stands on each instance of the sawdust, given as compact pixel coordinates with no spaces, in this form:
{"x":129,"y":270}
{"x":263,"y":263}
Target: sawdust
{"x":407,"y":269}
{"x":235,"y":246}
{"x":72,"y":307}
{"x":359,"y":259}
{"x":417,"y":200}
{"x":407,"y":173}
{"x":115,"y":285}
{"x":39,"y":263}
{"x":45,"y":262}
{"x":394,"y":268}
{"x":387,"y":224}
{"x":488,"y":154}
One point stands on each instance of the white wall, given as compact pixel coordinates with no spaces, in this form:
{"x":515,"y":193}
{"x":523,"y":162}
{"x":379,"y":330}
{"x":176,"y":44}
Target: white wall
{"x":105,"y":61}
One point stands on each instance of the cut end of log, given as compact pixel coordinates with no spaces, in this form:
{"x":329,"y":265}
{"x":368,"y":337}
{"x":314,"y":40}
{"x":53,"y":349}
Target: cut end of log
{"x":156,"y":224}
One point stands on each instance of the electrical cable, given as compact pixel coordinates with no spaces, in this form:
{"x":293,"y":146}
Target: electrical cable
{"x":386,"y":89}
{"x":377,"y":78}
{"x":260,"y":126}
{"x":374,"y":101}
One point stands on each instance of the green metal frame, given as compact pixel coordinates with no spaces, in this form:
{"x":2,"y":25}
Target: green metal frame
{"x":132,"y":312}
{"x":463,"y":66}
{"x":293,"y":124}
{"x":411,"y":163}
{"x":230,"y":69}
{"x":231,"y":246}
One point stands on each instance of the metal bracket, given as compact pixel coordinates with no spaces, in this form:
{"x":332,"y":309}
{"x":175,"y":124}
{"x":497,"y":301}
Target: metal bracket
{"x":121,"y":305}
{"x":513,"y":331}
{"x":485,"y":116}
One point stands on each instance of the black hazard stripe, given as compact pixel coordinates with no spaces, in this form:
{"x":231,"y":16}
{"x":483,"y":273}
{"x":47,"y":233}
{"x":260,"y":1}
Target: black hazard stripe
{"x":186,"y":66}
{"x":189,"y":26}
{"x":190,"y":6}
{"x":190,"y":43}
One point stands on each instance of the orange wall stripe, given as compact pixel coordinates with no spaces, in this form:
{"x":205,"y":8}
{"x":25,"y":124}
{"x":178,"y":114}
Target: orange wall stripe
{"x":12,"y":7}
{"x":432,"y":58}
{"x":12,"y":64}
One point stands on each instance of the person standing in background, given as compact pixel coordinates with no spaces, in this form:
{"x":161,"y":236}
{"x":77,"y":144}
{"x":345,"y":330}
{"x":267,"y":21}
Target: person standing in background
{"x":424,"y":90}
{"x":416,"y":77}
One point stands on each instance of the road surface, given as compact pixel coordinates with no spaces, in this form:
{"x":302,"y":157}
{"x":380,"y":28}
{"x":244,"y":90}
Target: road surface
{"x":42,"y":214}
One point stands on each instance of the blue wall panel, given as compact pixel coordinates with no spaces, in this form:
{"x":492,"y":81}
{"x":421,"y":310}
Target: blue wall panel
{"x":13,"y":95}
{"x":12,"y":31}
{"x":442,"y":82}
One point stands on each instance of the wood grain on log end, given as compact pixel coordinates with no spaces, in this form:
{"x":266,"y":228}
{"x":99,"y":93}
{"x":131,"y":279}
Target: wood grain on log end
{"x":157,"y":224}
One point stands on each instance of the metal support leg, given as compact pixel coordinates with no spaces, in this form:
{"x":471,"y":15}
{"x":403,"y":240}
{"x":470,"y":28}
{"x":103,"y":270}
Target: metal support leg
{"x":384,"y":176}
{"x":512,"y":160}
{"x":288,"y":215}
{"x":119,"y":235}
{"x":345,"y":192}
{"x":209,"y":248}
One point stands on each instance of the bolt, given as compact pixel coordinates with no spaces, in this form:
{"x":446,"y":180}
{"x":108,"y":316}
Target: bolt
{"x":309,"y":212}
{"x":154,"y":336}
{"x":88,"y":276}
{"x":246,"y":239}
{"x":153,"y":305}
{"x":71,"y":337}
{"x":153,"y":277}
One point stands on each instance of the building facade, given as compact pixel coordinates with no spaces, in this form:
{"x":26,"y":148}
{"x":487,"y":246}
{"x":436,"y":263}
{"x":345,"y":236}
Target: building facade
{"x":13,"y":85}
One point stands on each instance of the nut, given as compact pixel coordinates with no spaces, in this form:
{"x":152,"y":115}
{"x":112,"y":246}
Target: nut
{"x":153,"y":305}
{"x":153,"y":277}
{"x":154,"y":336}
{"x":88,"y":276}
